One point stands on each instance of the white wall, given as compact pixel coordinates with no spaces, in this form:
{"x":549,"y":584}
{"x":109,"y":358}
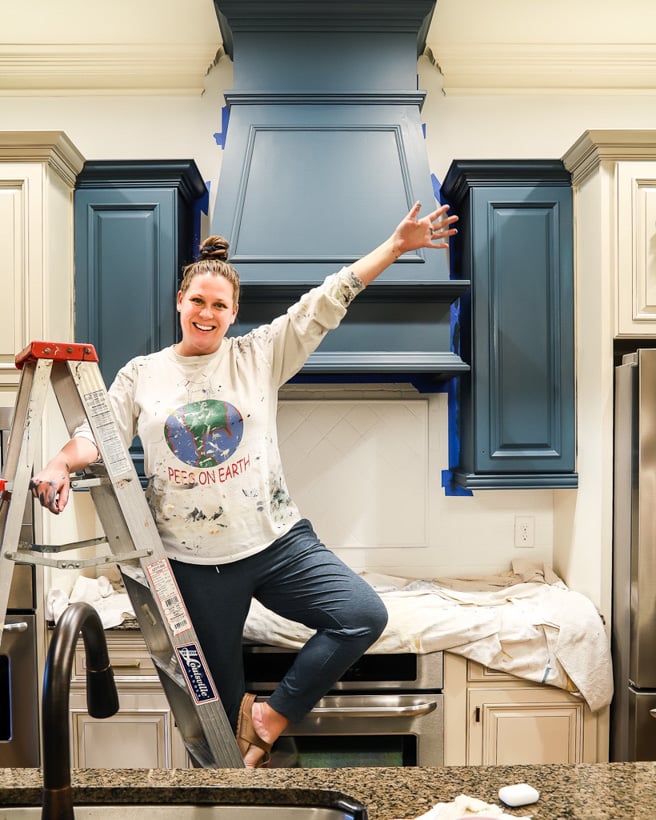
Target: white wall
{"x":460,"y":534}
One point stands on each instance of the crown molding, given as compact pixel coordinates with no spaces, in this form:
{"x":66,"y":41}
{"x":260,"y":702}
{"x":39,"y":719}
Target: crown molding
{"x":52,"y":148}
{"x":545,"y":68}
{"x":608,"y":145}
{"x":71,"y":69}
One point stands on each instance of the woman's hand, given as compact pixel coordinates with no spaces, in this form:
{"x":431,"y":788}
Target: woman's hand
{"x":52,"y":487}
{"x":432,"y":231}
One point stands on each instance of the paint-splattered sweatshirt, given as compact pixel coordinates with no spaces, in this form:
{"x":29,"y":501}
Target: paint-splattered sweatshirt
{"x":208,"y":428}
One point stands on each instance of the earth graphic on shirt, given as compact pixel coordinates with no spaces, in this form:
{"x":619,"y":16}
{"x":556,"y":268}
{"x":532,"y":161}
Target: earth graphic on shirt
{"x":204,"y":433}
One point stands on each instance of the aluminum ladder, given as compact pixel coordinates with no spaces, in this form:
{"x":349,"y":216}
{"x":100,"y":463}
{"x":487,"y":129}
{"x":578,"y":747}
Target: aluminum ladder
{"x":129,"y":530}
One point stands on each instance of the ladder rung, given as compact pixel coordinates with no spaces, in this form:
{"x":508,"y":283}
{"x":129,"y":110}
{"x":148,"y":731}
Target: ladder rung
{"x":199,"y":752}
{"x":81,"y":484}
{"x":74,"y":545}
{"x":135,"y":574}
{"x":168,"y":665}
{"x":36,"y":558}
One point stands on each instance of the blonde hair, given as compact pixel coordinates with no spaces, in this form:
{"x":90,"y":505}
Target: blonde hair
{"x":213,"y":259}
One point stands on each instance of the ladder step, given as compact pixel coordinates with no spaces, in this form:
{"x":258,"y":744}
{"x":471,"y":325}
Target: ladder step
{"x":199,"y":752}
{"x":74,"y":545}
{"x":82,"y":484}
{"x":35,"y":558}
{"x":169,"y":666}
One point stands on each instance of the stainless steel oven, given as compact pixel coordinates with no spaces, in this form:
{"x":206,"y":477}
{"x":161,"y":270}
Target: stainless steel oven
{"x":387,"y":710}
{"x":19,"y":696}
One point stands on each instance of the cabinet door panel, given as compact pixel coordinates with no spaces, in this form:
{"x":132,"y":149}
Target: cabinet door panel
{"x":524,"y":726}
{"x":130,"y":739}
{"x":636,"y":271}
{"x":518,"y":355}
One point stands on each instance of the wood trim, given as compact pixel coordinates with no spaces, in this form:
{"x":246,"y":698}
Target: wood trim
{"x":545,"y":68}
{"x":138,"y":68}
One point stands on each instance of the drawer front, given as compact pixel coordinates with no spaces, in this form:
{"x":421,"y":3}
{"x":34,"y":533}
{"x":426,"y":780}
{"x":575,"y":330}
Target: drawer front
{"x":477,"y":673}
{"x":129,"y":658}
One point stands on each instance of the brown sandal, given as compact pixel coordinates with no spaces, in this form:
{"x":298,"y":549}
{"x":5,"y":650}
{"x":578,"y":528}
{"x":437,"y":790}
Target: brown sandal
{"x":246,"y":734}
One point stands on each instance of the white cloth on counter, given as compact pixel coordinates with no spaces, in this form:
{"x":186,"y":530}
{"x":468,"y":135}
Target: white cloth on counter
{"x":526,"y":623}
{"x":464,"y":806}
{"x":112,"y":606}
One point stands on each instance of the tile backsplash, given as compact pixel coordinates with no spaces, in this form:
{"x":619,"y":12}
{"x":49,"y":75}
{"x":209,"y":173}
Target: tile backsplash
{"x":359,"y":469}
{"x":364,"y":464}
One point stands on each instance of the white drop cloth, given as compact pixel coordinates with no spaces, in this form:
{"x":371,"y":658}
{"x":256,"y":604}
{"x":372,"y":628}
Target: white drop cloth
{"x":464,"y":806}
{"x":113,"y":607}
{"x":526,"y":623}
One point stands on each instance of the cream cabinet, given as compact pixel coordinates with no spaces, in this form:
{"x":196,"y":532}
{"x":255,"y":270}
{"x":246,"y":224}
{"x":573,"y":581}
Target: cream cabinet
{"x":38,"y":170}
{"x":492,"y":718}
{"x":614,"y":179}
{"x":636,"y":248}
{"x":142,"y":734}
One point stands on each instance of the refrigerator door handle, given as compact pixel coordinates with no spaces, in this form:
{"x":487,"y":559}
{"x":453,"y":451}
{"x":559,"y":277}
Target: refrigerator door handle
{"x":652,"y":712}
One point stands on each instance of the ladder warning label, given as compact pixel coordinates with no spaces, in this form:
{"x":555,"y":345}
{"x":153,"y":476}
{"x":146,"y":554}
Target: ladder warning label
{"x":193,"y":665}
{"x":166,"y":590}
{"x":115,"y":456}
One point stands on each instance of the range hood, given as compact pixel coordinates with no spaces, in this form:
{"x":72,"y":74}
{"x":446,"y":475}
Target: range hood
{"x":324,"y":155}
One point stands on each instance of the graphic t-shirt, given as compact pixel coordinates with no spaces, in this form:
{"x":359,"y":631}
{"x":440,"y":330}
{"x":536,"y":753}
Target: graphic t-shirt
{"x":208,"y":427}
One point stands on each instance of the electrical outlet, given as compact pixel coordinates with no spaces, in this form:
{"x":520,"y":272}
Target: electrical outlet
{"x":524,"y":531}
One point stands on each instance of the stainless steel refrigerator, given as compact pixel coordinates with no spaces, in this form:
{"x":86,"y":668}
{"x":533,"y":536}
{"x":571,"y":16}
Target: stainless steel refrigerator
{"x":633,"y":710}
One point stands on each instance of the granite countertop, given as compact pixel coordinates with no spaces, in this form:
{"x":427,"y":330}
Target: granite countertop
{"x":595,"y":791}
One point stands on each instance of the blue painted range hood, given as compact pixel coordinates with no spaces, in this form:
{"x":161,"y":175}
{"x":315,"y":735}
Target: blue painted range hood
{"x":324,"y":155}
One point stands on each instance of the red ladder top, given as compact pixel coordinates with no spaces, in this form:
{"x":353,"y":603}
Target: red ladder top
{"x":58,"y":351}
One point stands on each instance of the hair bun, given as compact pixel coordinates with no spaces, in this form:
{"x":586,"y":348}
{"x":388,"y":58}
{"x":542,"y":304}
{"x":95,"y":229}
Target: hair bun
{"x":214,"y":247}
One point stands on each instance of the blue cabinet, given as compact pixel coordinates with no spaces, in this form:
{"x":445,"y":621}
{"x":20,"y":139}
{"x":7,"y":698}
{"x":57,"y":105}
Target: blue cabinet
{"x":514,"y":410}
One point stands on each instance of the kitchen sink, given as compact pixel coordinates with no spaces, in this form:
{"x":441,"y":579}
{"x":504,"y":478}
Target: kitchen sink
{"x":182,"y":812}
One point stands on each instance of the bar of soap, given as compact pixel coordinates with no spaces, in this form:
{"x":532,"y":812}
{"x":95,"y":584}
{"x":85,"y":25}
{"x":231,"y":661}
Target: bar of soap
{"x":520,"y":794}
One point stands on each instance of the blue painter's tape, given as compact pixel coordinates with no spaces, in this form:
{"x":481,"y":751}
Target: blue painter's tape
{"x":221,"y":135}
{"x":453,"y":405}
{"x":193,"y":666}
{"x":437,"y":189}
{"x":201,"y":205}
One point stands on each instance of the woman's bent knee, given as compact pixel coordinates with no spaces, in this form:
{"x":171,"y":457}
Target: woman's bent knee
{"x":375,"y":620}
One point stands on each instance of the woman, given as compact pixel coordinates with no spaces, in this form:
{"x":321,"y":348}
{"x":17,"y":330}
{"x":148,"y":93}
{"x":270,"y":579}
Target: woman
{"x":205,"y":411}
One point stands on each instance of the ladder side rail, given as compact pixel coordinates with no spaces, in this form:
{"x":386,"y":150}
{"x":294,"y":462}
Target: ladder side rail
{"x":24,"y":443}
{"x":70,"y":402}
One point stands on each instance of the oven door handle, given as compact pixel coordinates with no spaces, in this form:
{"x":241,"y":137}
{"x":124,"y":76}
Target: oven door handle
{"x":410,"y":710}
{"x":20,"y":626}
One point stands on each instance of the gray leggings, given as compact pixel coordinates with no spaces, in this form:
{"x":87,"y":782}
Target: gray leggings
{"x":299,"y":579}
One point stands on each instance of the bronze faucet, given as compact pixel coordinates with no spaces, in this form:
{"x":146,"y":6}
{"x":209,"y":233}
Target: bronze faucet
{"x":102,"y":701}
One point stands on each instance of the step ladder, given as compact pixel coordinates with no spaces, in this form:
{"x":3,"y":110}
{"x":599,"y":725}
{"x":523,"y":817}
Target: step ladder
{"x":129,"y":531}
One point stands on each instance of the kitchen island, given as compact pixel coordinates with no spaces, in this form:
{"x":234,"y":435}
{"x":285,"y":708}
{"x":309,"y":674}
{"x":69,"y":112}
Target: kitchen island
{"x":597,"y":791}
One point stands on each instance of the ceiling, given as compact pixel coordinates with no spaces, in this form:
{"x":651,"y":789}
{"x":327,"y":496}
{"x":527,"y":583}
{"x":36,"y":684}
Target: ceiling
{"x":502,"y":47}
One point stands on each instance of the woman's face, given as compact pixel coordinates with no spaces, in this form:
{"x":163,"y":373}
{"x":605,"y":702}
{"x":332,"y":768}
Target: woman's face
{"x":207,"y":310}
